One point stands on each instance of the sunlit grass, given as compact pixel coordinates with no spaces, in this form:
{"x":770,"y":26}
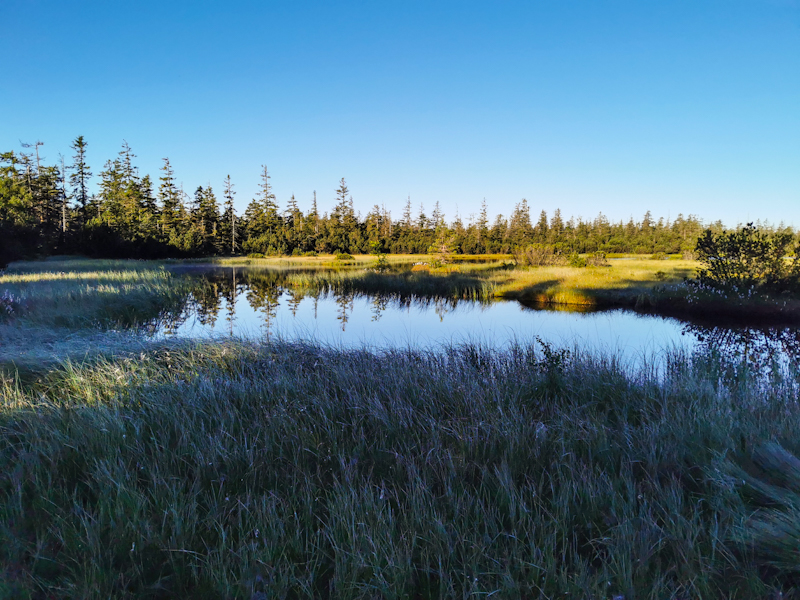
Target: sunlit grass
{"x":407,"y":284}
{"x":81,"y":293}
{"x":622,"y":281}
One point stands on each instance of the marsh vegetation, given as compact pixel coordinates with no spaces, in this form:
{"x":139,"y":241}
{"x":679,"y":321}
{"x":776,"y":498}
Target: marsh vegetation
{"x":135,"y":467}
{"x":219,"y":470}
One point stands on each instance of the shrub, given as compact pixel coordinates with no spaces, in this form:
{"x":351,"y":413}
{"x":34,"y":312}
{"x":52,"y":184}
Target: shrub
{"x":659,"y":256}
{"x":747,"y":259}
{"x":576,"y":260}
{"x":598,"y":259}
{"x":343,"y":256}
{"x":539,"y":255}
{"x":310,"y":253}
{"x":660,"y":276}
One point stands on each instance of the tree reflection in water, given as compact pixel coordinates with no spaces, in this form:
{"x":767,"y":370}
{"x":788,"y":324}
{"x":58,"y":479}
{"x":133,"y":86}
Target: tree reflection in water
{"x":759,"y":347}
{"x":217,"y":290}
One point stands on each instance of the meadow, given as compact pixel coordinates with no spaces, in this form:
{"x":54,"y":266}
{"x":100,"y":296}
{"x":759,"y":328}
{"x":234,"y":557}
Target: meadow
{"x":233,"y":469}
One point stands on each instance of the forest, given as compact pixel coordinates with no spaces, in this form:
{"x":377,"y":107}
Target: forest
{"x":48,"y":209}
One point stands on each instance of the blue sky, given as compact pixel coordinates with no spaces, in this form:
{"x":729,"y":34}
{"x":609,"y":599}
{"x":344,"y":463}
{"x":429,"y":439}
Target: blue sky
{"x":612,"y":106}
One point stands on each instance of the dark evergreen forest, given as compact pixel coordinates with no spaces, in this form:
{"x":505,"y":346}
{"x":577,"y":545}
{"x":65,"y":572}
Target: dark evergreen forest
{"x":48,"y":209}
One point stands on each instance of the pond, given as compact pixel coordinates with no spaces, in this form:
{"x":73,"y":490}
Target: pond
{"x":258,"y":303}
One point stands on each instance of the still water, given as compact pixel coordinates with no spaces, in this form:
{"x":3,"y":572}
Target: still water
{"x":256,"y":303}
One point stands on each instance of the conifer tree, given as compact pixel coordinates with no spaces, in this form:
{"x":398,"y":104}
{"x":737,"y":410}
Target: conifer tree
{"x":227,"y":234}
{"x":79,"y":179}
{"x":169,"y":197}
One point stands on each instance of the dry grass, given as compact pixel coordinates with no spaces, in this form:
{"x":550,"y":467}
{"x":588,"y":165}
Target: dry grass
{"x":620,"y":283}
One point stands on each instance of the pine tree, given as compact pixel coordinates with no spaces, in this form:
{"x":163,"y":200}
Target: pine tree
{"x":270,"y":206}
{"x":437,"y":217}
{"x":342,"y":220}
{"x":407,"y":216}
{"x":520,"y":228}
{"x":541,"y":230}
{"x":170,"y":201}
{"x":79,"y":179}
{"x":227,"y":236}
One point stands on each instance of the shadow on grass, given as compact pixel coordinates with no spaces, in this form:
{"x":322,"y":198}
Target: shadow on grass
{"x":220,"y":470}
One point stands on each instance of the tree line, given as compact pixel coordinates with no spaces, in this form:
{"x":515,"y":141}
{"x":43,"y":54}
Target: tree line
{"x":48,"y":209}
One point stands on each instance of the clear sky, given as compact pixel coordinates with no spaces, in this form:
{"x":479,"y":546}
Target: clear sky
{"x":613,"y":106}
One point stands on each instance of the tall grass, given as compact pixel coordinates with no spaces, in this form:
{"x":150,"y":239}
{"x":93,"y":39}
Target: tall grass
{"x":89,"y":293}
{"x":236,"y":470}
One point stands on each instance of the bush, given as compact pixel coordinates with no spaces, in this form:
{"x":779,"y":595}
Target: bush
{"x":659,"y":256}
{"x":310,"y":253}
{"x":343,"y":256}
{"x":576,"y":260}
{"x":539,"y":255}
{"x":598,"y":259}
{"x":747,"y":259}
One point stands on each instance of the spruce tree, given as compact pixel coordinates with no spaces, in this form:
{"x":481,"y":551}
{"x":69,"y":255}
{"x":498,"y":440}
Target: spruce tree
{"x":227,"y":237}
{"x":169,"y":197}
{"x":79,"y":179}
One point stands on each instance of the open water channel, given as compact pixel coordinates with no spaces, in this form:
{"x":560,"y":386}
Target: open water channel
{"x":256,"y":303}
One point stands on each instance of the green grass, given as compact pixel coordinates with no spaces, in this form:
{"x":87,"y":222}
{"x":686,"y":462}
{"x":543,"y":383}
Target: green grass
{"x":80,"y":308}
{"x":83,"y":293}
{"x":621,"y":283}
{"x":221,"y":470}
{"x":139,"y":469}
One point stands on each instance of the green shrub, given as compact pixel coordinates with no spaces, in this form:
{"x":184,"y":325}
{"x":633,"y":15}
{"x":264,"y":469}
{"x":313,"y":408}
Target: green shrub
{"x":343,"y":256}
{"x":576,"y":260}
{"x":659,"y":256}
{"x":539,"y":255}
{"x":598,"y":259}
{"x":747,"y":259}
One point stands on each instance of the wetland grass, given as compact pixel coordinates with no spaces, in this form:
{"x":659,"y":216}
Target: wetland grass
{"x":84,"y":293}
{"x":222,"y":470}
{"x":77,"y":308}
{"x":235,"y":469}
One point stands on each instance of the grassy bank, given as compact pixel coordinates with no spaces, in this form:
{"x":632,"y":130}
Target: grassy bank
{"x":225,"y":470}
{"x":73,"y":307}
{"x":362,"y":260}
{"x":79,"y":293}
{"x":619,"y":284}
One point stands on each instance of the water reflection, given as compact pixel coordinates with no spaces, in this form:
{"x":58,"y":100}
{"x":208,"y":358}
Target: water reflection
{"x":220,"y":290}
{"x":246,"y":301}
{"x":761,"y":348}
